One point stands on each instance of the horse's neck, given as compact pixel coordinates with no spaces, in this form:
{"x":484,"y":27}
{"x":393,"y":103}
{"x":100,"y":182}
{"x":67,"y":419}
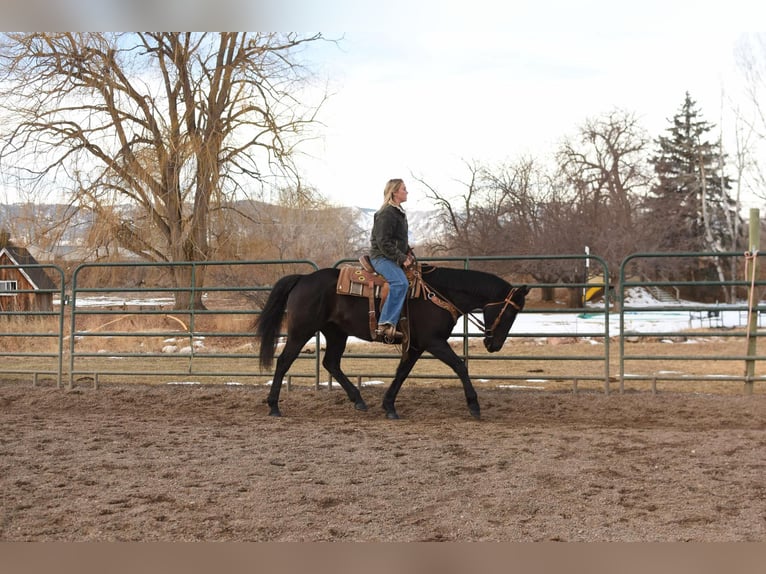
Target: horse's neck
{"x":466,"y":289}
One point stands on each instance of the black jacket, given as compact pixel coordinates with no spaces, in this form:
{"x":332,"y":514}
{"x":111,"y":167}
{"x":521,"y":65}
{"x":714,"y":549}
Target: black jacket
{"x":389,"y":237}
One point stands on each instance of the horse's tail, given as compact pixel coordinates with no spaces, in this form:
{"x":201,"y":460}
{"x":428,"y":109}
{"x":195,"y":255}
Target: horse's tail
{"x":269,"y":322}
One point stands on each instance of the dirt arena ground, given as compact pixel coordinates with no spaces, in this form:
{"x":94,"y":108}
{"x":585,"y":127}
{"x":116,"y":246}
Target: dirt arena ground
{"x":205,"y":463}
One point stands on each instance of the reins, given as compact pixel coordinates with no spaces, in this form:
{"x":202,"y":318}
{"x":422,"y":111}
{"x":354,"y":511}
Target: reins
{"x":438,"y":299}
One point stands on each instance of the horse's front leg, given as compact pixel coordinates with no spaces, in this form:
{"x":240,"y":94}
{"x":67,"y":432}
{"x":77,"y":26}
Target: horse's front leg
{"x":402,"y":371}
{"x":442,"y":351}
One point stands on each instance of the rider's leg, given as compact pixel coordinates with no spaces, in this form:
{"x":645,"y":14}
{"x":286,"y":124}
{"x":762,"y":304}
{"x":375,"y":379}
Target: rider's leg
{"x":397,"y":285}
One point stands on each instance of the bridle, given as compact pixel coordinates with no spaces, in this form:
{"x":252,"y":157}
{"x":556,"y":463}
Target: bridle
{"x":434,"y":296}
{"x":505,"y":303}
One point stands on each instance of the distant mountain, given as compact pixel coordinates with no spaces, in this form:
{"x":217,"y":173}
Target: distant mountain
{"x":25,"y":221}
{"x":423,"y":225}
{"x":30,"y":226}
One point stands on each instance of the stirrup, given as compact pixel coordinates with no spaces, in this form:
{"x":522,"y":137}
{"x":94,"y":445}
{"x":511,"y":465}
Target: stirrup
{"x":388,"y":334}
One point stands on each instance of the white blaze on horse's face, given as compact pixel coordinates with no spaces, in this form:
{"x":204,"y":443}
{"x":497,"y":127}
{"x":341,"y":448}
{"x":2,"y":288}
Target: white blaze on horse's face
{"x":499,"y":318}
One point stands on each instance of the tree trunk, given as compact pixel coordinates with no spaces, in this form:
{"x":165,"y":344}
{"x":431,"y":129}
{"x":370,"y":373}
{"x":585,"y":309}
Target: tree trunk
{"x":547,"y":293}
{"x":189,"y":295}
{"x":575,"y":297}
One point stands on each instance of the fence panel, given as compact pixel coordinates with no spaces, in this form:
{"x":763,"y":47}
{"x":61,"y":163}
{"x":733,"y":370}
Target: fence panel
{"x":121,"y":328}
{"x":721,"y":318}
{"x":590,"y":324}
{"x":32,"y":338}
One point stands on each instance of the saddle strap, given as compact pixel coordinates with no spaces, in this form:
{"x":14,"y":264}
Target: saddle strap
{"x":434,"y":298}
{"x":415,"y":281}
{"x":371,"y":299}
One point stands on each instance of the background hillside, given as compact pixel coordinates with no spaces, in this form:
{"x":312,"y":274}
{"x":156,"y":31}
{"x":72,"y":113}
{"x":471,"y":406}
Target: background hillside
{"x":243,"y":230}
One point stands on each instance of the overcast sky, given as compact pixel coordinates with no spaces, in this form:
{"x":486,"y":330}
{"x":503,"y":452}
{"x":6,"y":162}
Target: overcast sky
{"x":423,"y":90}
{"x":422,"y":86}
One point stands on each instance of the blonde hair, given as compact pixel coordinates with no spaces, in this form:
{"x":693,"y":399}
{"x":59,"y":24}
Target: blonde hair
{"x":388,"y":192}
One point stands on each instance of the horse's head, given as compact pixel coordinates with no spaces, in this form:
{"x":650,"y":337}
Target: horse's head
{"x":500,"y":315}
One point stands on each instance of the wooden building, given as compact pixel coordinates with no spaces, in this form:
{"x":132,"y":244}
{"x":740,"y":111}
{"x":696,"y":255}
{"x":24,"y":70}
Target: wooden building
{"x":34,"y":280}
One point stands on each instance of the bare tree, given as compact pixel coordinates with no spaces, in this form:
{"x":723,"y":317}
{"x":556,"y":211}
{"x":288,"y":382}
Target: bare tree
{"x":512,"y":209}
{"x":522,"y":208}
{"x":751,"y":60}
{"x":497,"y":212}
{"x":307,"y":226}
{"x":172,"y":123}
{"x":607,"y":173}
{"x":455,"y":215}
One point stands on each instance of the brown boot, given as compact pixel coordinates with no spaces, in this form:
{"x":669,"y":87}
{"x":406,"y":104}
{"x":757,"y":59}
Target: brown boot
{"x":388,"y":333}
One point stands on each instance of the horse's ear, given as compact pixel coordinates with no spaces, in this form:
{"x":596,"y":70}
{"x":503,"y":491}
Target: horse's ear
{"x":525,"y":289}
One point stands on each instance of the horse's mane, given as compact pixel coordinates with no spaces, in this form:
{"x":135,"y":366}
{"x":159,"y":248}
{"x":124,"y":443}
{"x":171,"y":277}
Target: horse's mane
{"x":468,"y":281}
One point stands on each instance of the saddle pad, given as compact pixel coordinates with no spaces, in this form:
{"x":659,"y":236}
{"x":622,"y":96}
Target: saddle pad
{"x":354,"y":280}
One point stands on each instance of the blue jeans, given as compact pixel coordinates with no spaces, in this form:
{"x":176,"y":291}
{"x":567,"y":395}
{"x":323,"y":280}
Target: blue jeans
{"x":397,"y":285}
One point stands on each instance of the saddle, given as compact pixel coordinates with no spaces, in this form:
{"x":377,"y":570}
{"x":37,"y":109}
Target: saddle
{"x":362,"y":281}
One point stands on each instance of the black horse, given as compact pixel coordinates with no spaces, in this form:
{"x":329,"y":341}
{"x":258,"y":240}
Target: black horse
{"x":312,"y":305}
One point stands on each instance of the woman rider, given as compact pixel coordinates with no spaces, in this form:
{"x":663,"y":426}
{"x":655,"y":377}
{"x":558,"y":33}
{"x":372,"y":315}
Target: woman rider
{"x":389,"y":252}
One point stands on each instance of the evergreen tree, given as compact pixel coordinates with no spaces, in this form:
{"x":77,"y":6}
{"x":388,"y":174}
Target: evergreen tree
{"x":690,"y":205}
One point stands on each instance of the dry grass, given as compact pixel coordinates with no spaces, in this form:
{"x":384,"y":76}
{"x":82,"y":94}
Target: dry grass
{"x":569,"y":363}
{"x":157,"y":349}
{"x":36,"y":334}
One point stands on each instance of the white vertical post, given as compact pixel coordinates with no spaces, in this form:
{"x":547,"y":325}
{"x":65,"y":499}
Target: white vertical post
{"x":587,"y":274}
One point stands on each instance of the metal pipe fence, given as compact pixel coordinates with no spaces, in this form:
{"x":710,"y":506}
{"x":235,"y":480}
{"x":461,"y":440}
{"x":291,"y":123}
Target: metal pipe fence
{"x":478,"y":360}
{"x":32,"y":341}
{"x":738,"y":318}
{"x":174,"y":332}
{"x":136,"y":321}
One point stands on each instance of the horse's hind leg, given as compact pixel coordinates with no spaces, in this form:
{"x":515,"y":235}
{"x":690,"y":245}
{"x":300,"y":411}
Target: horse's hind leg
{"x":336,"y":345}
{"x":286,"y":358}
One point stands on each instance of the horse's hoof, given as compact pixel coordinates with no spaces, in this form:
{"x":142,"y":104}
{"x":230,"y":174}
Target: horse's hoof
{"x":360,"y":405}
{"x":274,"y":412}
{"x":392,"y":415}
{"x":476,"y":414}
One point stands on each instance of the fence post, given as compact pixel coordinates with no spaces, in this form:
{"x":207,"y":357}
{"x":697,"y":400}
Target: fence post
{"x":752,"y":323}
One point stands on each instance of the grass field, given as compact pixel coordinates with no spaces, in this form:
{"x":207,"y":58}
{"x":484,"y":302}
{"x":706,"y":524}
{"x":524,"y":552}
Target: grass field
{"x":158,"y":349}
